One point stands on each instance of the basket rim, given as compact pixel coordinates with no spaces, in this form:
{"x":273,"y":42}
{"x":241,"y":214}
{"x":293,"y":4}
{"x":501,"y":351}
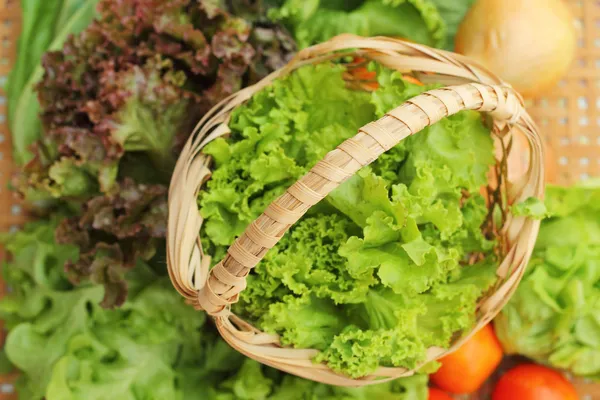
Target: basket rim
{"x":189,"y":266}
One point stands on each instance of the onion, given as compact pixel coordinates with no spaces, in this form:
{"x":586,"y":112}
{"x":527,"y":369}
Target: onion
{"x":528,"y":43}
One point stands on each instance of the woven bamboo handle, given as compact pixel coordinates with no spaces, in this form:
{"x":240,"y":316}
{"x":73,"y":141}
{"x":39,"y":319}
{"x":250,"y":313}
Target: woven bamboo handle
{"x":228,"y":278}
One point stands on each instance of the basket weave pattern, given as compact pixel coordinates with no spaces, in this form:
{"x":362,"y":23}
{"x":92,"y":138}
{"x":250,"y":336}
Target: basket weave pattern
{"x":216,"y":289}
{"x":569,"y":114}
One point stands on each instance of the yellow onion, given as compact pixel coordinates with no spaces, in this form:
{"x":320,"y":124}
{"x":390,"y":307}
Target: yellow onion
{"x":528,"y":43}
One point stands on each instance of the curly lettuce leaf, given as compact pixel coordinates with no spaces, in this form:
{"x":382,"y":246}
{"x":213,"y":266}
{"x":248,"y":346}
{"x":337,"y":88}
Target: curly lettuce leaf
{"x":274,"y":148}
{"x":356,"y":352}
{"x":305,"y":322}
{"x":36,"y":345}
{"x":451,"y":308}
{"x":364,"y":194}
{"x":565,"y":201}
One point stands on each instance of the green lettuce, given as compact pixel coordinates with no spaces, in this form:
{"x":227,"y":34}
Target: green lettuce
{"x":554,"y":316}
{"x":155,"y":347}
{"x":453,"y":13}
{"x":430,"y":22}
{"x":255,"y":382}
{"x":377,"y":272}
{"x":314,"y":21}
{"x":531,"y":207}
{"x":68,"y":347}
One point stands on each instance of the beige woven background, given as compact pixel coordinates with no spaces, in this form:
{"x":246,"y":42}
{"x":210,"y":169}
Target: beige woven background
{"x":569,"y":117}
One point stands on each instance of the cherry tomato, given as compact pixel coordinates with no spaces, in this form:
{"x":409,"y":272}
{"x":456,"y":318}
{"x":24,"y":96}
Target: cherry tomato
{"x":466,"y":369}
{"x":533,"y":382}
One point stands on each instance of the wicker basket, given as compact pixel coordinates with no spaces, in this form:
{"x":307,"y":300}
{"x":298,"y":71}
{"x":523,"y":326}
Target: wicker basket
{"x":214,"y":290}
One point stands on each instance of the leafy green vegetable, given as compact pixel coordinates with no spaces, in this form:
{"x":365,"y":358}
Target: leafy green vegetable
{"x":531,"y":207}
{"x":376,"y":273}
{"x":154,"y":347}
{"x":452,"y":12}
{"x":314,"y":21}
{"x":411,"y":388}
{"x":45,"y":26}
{"x":554,"y":316}
{"x":117,"y":102}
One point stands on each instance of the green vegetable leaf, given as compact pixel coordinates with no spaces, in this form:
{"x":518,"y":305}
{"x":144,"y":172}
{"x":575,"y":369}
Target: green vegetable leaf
{"x":316,"y":21}
{"x":553,"y":316}
{"x":453,"y":13}
{"x":35,"y":346}
{"x":532,"y":207}
{"x":45,"y":28}
{"x":364,"y":194}
{"x":357,"y":352}
{"x":305,"y":322}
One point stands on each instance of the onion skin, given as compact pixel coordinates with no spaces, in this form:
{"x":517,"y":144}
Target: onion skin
{"x":528,"y":43}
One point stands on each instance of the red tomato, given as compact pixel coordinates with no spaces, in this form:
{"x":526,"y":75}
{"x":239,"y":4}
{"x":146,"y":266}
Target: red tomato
{"x":533,"y":382}
{"x":465,"y":370}
{"x":437,"y":394}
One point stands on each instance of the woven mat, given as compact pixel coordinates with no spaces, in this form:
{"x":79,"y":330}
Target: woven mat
{"x":569,"y":118}
{"x":569,"y":115}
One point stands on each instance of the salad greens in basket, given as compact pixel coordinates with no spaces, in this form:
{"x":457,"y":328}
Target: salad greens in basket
{"x":390,"y":263}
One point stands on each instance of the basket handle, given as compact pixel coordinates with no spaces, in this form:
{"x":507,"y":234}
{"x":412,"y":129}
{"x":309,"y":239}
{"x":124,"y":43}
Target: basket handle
{"x":228,"y":278}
